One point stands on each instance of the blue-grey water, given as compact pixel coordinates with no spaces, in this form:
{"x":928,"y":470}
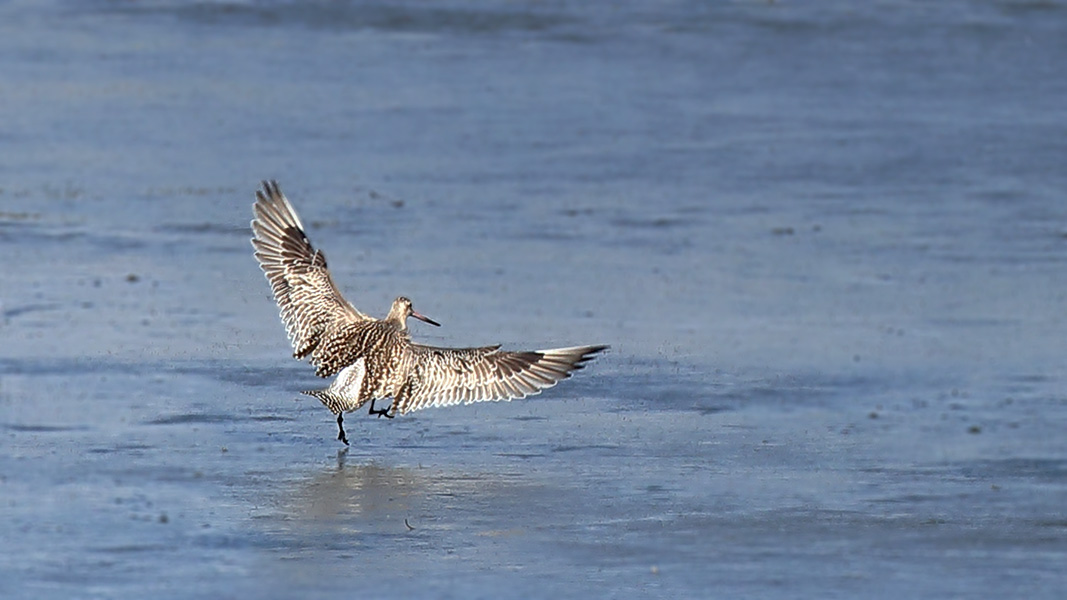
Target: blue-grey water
{"x":826,"y":241}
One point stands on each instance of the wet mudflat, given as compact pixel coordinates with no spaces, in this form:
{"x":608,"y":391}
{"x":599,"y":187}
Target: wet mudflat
{"x":826,"y":248}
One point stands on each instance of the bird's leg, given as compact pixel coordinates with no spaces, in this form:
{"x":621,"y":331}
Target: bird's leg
{"x":341,"y":428}
{"x":381,"y":412}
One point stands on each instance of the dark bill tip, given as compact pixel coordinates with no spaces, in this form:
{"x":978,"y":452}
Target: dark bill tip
{"x":425,"y":319}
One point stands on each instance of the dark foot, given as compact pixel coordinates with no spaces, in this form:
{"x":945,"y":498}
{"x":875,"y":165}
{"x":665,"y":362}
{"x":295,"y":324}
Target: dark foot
{"x":341,"y":429}
{"x":381,"y":412}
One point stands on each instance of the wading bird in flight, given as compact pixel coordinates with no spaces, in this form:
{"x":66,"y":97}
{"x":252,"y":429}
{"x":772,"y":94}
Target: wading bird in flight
{"x":375,"y":359}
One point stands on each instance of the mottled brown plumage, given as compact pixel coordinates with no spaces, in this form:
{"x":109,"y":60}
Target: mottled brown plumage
{"x":375,"y":359}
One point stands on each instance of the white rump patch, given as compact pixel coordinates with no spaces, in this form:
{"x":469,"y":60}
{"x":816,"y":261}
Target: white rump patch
{"x":349,"y":381}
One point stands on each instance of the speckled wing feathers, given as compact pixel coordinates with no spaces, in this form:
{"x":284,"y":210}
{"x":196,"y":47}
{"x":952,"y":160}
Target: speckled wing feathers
{"x":448,"y":376}
{"x":317,"y":318}
{"x":375,"y":359}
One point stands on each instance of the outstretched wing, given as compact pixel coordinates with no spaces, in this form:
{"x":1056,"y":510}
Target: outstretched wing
{"x":448,"y":376}
{"x":311,"y":306}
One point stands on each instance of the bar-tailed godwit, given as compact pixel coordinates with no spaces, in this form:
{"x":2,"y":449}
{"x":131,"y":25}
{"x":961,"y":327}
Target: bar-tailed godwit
{"x":375,"y":359}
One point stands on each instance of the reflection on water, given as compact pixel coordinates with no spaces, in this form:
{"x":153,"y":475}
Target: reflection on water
{"x":395,"y":530}
{"x":354,"y":504}
{"x":367,"y":493}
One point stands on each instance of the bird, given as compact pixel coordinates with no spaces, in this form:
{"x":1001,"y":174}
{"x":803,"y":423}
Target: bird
{"x":375,"y":359}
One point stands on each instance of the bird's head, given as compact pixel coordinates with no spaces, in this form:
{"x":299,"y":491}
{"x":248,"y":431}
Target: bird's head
{"x":402,"y":309}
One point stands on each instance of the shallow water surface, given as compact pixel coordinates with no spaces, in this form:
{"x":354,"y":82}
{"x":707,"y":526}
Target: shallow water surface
{"x":826,"y":247}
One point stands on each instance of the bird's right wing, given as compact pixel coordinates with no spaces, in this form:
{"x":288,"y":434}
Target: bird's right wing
{"x":447,"y":376}
{"x":309,"y":301}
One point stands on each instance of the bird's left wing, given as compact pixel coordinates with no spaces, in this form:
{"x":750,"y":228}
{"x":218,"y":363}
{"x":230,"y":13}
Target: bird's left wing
{"x":448,"y":376}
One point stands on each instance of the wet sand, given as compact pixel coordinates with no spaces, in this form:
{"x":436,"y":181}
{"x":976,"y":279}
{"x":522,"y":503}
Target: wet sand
{"x":827,"y":250}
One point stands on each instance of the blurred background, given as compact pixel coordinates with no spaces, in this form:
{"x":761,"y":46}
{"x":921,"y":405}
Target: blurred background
{"x":826,"y":244}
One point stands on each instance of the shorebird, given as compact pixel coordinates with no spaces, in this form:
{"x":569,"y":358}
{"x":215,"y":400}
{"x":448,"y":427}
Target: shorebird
{"x":375,"y":359}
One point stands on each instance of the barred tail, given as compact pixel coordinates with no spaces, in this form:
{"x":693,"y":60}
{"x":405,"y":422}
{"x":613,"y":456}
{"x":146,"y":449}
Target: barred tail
{"x":335,"y":402}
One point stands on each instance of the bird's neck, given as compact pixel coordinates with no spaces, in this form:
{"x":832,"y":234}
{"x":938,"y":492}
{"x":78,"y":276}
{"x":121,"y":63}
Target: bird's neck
{"x":397,"y":322}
